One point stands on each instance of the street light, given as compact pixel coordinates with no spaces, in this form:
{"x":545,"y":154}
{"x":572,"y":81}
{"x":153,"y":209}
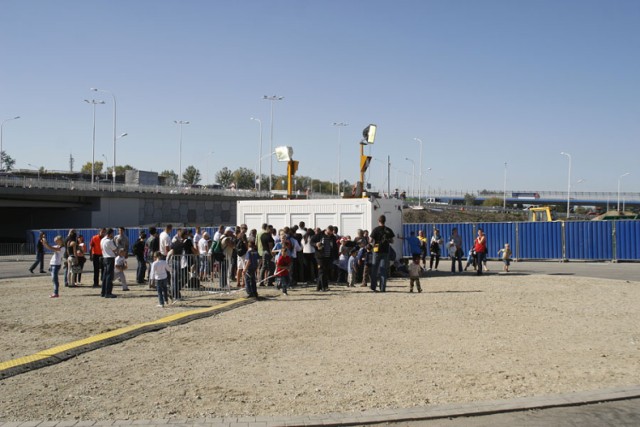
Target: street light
{"x":504,"y":197}
{"x":36,"y":168}
{"x":271,"y":98}
{"x":339,"y":126}
{"x":1,"y":126}
{"x":259,"y":180}
{"x":93,"y":149}
{"x":568,"y":183}
{"x":115,"y":115}
{"x":180,"y":123}
{"x":420,"y":174}
{"x":106,"y":162}
{"x":619,"y":179}
{"x":413,"y":176}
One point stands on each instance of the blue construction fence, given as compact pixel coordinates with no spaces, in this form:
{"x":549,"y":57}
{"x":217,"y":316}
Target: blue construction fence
{"x":571,"y":240}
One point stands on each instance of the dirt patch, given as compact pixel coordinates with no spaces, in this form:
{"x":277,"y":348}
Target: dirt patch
{"x":463,"y":339}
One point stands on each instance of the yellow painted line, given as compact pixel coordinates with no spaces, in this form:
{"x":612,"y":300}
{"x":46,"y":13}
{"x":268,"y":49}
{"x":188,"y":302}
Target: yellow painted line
{"x":45,"y":354}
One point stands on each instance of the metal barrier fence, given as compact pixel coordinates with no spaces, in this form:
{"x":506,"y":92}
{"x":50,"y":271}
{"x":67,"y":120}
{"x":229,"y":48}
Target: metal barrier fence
{"x":569,"y":240}
{"x":199,"y":275}
{"x":17,"y":251}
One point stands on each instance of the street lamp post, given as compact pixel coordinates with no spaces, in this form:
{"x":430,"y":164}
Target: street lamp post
{"x":413,"y":176}
{"x":259,"y":180}
{"x":271,"y":98}
{"x":36,"y":168}
{"x":115,"y":137}
{"x":180,"y":123}
{"x":339,"y":126}
{"x":1,"y":126}
{"x":568,"y":183}
{"x":93,"y":147}
{"x":504,"y":187}
{"x":420,"y":174}
{"x":619,"y":179}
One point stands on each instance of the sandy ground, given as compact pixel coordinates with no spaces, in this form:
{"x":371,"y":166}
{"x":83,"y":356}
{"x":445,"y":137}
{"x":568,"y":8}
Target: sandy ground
{"x":463,"y":339}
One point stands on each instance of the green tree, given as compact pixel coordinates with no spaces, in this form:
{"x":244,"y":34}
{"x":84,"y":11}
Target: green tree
{"x":244,"y":178}
{"x":97,"y":168}
{"x":492,"y":201}
{"x":191,"y":175}
{"x":170,"y":177}
{"x":469,"y":200}
{"x":7,"y":161}
{"x":224,"y":177}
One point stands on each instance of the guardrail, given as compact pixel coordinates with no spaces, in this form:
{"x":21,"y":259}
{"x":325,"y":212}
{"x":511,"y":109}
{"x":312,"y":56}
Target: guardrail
{"x":17,"y":251}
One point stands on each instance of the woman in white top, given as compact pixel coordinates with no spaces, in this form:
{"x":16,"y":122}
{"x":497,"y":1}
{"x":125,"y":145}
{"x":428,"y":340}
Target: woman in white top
{"x":56,"y":263}
{"x":309,"y":256}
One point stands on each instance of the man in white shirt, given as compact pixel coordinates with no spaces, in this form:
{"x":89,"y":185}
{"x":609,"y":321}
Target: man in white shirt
{"x":108,"y":247}
{"x":165,"y":240}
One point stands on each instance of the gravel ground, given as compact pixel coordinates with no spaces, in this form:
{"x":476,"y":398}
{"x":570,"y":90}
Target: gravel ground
{"x":463,"y":339}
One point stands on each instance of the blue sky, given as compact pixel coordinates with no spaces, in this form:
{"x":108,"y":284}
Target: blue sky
{"x":481,"y":83}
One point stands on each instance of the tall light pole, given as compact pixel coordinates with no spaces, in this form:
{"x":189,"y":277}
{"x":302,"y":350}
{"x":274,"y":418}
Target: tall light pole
{"x":93,"y":147}
{"x":271,"y":98}
{"x":115,"y":137}
{"x":180,"y":123}
{"x":413,"y":176}
{"x":259,"y":180}
{"x":113,"y":172}
{"x":420,"y":174}
{"x":36,"y":168}
{"x":568,"y":183}
{"x":339,"y":126}
{"x":504,"y":197}
{"x":1,"y":126}
{"x":619,"y":179}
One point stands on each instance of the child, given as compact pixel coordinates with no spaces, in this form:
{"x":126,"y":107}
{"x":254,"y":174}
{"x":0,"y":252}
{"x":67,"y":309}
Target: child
{"x":352,"y":268}
{"x":56,"y":262}
{"x":159,"y":276}
{"x":471,"y":259}
{"x":366,"y":260}
{"x":283,"y":265}
{"x":506,"y":256}
{"x":414,"y":273}
{"x":251,"y":260}
{"x":120,"y":267}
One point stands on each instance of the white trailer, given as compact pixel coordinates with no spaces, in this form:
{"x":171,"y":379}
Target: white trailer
{"x":348,"y":215}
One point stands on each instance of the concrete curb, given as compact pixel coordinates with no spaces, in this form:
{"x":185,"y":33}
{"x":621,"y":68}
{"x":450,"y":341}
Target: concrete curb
{"x":374,"y":416}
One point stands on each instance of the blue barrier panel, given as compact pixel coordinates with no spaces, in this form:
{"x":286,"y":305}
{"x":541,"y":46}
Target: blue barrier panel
{"x":589,"y":240}
{"x":497,"y":234}
{"x":540,"y":240}
{"x":627,"y":240}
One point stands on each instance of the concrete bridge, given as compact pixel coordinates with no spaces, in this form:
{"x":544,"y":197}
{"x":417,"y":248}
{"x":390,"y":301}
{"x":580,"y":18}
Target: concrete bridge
{"x":27,"y":204}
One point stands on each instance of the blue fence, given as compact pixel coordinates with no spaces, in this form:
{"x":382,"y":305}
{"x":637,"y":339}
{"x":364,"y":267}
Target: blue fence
{"x":579,"y":240}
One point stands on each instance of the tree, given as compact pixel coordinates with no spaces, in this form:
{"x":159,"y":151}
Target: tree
{"x":191,"y":175}
{"x":492,"y":201}
{"x":170,"y":177}
{"x":7,"y":161}
{"x":224,"y":177}
{"x":469,"y":200}
{"x":244,"y":178}
{"x":97,"y":168}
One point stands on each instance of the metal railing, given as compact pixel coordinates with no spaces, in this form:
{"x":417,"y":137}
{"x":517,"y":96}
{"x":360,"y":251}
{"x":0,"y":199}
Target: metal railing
{"x":17,"y":251}
{"x":199,"y":275}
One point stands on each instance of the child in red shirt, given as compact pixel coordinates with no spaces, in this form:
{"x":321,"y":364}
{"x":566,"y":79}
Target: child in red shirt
{"x":283,"y":265}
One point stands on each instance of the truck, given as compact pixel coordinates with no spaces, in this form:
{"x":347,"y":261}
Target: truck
{"x":348,"y":215}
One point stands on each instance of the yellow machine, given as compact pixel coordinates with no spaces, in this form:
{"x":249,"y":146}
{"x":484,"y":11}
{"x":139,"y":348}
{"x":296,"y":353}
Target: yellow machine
{"x":541,"y":214}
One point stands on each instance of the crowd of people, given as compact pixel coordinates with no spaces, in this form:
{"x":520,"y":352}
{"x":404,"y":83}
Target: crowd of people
{"x":170,"y":261}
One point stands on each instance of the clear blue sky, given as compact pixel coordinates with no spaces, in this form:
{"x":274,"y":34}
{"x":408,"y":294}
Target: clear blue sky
{"x":480,"y":82}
